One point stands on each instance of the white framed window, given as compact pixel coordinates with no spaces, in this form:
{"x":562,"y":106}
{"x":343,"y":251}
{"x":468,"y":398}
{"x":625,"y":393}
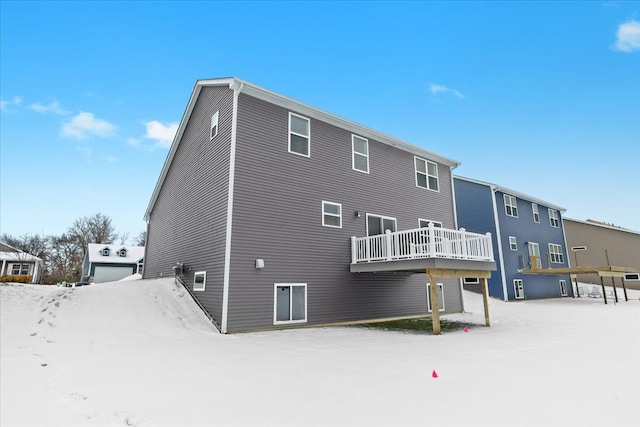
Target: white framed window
{"x":426,"y":174}
{"x":511,"y":205}
{"x":424,"y":223}
{"x":299,"y":135}
{"x":440,"y":293}
{"x":554,"y":219}
{"x":471,"y":281}
{"x":563,"y":288}
{"x":555,"y":253}
{"x":199,"y":280}
{"x":140,"y":267}
{"x":122,"y":253}
{"x":214,"y":125}
{"x":331,"y":214}
{"x":19,"y":269}
{"x":290,"y":303}
{"x":518,"y":288}
{"x":105,"y":252}
{"x":513,"y":243}
{"x":360,"y":156}
{"x":377,"y":224}
{"x":632,"y":276}
{"x":534,"y":250}
{"x":536,"y":213}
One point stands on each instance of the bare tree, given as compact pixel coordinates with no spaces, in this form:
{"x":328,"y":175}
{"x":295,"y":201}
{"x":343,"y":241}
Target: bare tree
{"x":141,"y":240}
{"x":65,"y":262}
{"x":96,"y":228}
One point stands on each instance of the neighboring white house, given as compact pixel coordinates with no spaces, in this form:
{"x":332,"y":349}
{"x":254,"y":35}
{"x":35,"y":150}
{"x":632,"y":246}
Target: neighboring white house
{"x":108,"y":263}
{"x":19,"y":263}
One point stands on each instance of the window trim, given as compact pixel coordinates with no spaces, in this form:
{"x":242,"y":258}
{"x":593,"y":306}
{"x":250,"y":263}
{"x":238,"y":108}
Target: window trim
{"x":214,"y":125}
{"x":508,"y":205}
{"x":275,"y":304}
{"x":382,"y":217}
{"x":536,"y":213}
{"x":204,"y":281}
{"x":515,"y":289}
{"x":21,"y":266}
{"x":325,"y":214}
{"x":513,"y":245}
{"x":470,"y":280}
{"x":530,"y":246}
{"x":563,"y":288}
{"x":429,"y":308}
{"x":426,"y":173}
{"x":554,"y":218}
{"x":632,"y":277}
{"x":437,"y":224}
{"x":308,"y":137}
{"x":556,"y":253}
{"x":354,"y":153}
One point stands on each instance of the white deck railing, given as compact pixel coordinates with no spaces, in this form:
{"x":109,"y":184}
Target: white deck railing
{"x":428,"y":242}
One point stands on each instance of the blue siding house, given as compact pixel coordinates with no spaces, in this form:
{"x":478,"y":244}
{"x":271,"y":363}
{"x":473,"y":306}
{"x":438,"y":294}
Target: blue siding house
{"x":529,"y":234}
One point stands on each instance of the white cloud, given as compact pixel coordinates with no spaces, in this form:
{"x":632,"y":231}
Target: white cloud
{"x":17,"y":100}
{"x":163,"y":134}
{"x":85,"y":124}
{"x":628,"y":37}
{"x":134,"y":142}
{"x":436,"y":89}
{"x":4,"y":105}
{"x":111,"y":159}
{"x":53,"y":107}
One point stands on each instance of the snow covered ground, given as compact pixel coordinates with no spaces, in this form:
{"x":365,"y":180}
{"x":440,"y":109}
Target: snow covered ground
{"x":140,"y":353}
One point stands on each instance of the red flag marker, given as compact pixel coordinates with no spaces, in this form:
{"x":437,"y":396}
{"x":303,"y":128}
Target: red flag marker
{"x":466,"y":329}
{"x":434,"y":374}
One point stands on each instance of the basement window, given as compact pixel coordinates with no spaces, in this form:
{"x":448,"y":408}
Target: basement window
{"x":440,"y":292}
{"x":290,"y":303}
{"x":199,"y":280}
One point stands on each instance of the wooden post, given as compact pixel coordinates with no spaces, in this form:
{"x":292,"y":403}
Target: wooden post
{"x":575,"y":280}
{"x":615,"y":292}
{"x":604,"y":293}
{"x":624,"y":287}
{"x":435,"y":309}
{"x":485,"y":300}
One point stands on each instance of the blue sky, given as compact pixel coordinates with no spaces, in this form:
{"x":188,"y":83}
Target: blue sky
{"x":540,"y":97}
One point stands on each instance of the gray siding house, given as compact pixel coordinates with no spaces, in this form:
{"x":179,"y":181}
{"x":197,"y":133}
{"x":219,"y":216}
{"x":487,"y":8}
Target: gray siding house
{"x":277,"y":214}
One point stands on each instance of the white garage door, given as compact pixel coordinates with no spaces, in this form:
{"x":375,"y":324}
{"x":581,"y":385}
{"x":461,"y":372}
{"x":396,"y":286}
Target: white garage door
{"x":111,"y":274}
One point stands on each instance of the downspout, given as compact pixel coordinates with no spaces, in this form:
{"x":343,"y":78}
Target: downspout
{"x":566,"y":252}
{"x":237,"y":88}
{"x":499,"y":242}
{"x":455,"y":225}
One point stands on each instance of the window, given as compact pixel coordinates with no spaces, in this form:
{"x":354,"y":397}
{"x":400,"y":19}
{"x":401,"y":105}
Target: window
{"x":424,"y":223}
{"x":513,"y":243}
{"x":536,"y":214}
{"x":379,"y":224}
{"x":471,"y":281}
{"x":331,"y":214}
{"x":19,"y":269}
{"x":290,"y":303}
{"x":563,"y":288}
{"x":518,"y":288}
{"x":440,"y":293}
{"x":140,"y":266}
{"x":214,"y":125}
{"x":426,"y":174}
{"x":553,"y":218}
{"x":632,"y":276}
{"x":122,"y":253}
{"x":534,"y":251}
{"x":555,"y":252}
{"x":511,"y":205}
{"x":106,"y":252}
{"x":199,"y":280}
{"x":299,"y":135}
{"x":360,"y":154}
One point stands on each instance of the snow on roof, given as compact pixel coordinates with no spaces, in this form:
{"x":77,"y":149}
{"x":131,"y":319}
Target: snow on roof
{"x":133,"y":253}
{"x":16,"y":255}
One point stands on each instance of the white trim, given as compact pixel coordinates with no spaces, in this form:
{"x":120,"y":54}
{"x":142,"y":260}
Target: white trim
{"x":632,"y":277}
{"x":439,"y":285}
{"x":471,"y":280}
{"x":536,"y":212}
{"x":555,"y":253}
{"x":339,"y":216}
{"x":554,"y":216}
{"x":598,"y":224}
{"x":563,"y":289}
{"x":308,"y":137}
{"x":395,"y":221}
{"x":204,"y":281}
{"x":435,"y":223}
{"x":455,"y":225}
{"x":515,"y":289}
{"x":514,"y":243}
{"x":426,"y":173}
{"x":275,"y":303}
{"x":508,"y":204}
{"x":227,"y":249}
{"x":496,"y":220}
{"x":214,"y":123}
{"x":354,"y":152}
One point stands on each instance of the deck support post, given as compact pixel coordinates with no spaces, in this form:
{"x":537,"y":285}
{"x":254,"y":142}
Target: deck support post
{"x":615,"y":291}
{"x":624,"y":288}
{"x":604,"y":292}
{"x":435,"y":308}
{"x":485,"y":300}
